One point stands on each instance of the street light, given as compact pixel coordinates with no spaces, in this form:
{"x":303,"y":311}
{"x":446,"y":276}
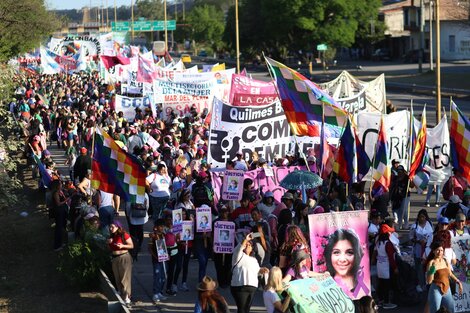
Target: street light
{"x":166,"y":32}
{"x":237,"y":37}
{"x":438,"y":64}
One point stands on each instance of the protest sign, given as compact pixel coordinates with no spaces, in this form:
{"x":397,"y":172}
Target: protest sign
{"x":162,"y":253}
{"x":248,"y":92}
{"x":438,"y":152}
{"x":188,"y":230}
{"x":128,"y":105}
{"x":233,"y":185}
{"x":248,"y":129}
{"x":461,"y":247}
{"x":70,"y":45}
{"x":355,"y":95}
{"x":319,"y":295}
{"x":177,"y":220}
{"x":203,"y":219}
{"x":224,"y":237}
{"x":335,"y":234}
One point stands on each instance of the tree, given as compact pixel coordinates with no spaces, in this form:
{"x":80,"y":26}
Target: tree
{"x":150,"y":9}
{"x":291,"y":25}
{"x":207,"y":24}
{"x":24,"y":24}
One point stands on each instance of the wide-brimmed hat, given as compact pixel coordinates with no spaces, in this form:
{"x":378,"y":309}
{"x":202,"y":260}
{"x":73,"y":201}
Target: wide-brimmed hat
{"x":207,"y":284}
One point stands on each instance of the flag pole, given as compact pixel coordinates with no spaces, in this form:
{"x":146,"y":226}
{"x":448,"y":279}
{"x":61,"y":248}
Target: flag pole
{"x":410,"y":156}
{"x":375,"y":153}
{"x":271,"y":73}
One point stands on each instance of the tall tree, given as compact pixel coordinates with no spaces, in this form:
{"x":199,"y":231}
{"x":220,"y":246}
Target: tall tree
{"x":24,"y":24}
{"x":150,"y":9}
{"x":207,"y":25}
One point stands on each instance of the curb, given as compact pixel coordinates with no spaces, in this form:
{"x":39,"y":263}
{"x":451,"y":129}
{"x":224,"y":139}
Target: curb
{"x":450,"y":92}
{"x":115,"y":302}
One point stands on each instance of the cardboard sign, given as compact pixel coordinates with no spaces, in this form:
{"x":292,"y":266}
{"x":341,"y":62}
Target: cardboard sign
{"x":224,"y":237}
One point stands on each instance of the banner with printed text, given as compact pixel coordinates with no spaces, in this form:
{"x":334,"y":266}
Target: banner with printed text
{"x":319,"y":295}
{"x":203,"y":219}
{"x":248,"y":129}
{"x":339,"y":245}
{"x":69,"y":45}
{"x":128,"y":105}
{"x":250,"y":92}
{"x":461,"y":247}
{"x":233,"y":185}
{"x":224,"y":237}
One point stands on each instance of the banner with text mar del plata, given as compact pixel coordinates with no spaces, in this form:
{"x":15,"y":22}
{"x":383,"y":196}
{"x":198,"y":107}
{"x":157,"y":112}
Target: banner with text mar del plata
{"x":128,"y":105}
{"x":262,"y":128}
{"x":461,"y":247}
{"x":319,"y":295}
{"x":342,"y":233}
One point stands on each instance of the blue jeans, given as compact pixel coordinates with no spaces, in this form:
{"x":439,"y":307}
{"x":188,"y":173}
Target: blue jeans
{"x":202,"y":254}
{"x":106,"y":214}
{"x":438,"y":192}
{"x":159,"y":277}
{"x":158,"y":204}
{"x":436,"y":299}
{"x":401,"y":213}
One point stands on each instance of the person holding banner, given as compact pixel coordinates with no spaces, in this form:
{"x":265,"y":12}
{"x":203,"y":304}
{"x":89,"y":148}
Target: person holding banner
{"x":299,"y":269}
{"x":158,"y":186}
{"x":343,"y":255}
{"x":438,"y":275}
{"x":185,"y":246}
{"x":159,"y":271}
{"x":222,"y":262}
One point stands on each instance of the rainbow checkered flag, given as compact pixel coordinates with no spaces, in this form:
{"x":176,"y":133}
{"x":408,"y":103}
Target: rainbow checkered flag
{"x":381,"y":165}
{"x":302,"y":103}
{"x":116,"y":171}
{"x":460,"y":140}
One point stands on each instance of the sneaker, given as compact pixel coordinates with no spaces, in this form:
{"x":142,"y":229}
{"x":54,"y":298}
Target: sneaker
{"x":170,"y":292}
{"x":427,"y":204}
{"x":436,"y":204}
{"x":156,"y":298}
{"x":162,"y":297}
{"x":419,"y":289}
{"x":174,"y":288}
{"x":389,"y":306}
{"x":184,"y":287}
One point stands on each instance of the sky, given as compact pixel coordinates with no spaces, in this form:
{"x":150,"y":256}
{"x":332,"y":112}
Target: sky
{"x":78,"y":4}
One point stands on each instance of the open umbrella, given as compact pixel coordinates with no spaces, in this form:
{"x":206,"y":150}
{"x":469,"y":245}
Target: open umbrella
{"x":301,"y":180}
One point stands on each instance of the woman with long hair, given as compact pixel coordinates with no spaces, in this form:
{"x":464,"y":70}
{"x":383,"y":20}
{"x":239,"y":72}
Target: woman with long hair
{"x":294,"y":240}
{"x":209,"y":300}
{"x":438,"y":275}
{"x":301,"y":218}
{"x":120,"y":242}
{"x":273,"y":290}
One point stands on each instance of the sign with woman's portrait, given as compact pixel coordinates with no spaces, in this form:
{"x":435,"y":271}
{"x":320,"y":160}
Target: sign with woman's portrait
{"x":162,"y":252}
{"x":203,"y":219}
{"x":177,"y":220}
{"x":339,"y":245}
{"x":233,"y":185}
{"x":188,"y":231}
{"x":224,"y":237}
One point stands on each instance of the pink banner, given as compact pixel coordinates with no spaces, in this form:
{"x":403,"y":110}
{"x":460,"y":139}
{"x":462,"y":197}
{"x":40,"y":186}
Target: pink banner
{"x":268,"y":183}
{"x":247,"y":92}
{"x":224,"y":237}
{"x":339,"y":245}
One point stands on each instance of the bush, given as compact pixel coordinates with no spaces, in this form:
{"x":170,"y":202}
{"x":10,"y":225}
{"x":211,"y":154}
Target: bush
{"x":81,"y":261}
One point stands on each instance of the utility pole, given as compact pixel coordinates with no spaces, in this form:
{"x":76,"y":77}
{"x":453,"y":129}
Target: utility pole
{"x":132,"y":20}
{"x":237,"y":37}
{"x":166,"y":31}
{"x":421,"y":35}
{"x":438,"y":64}
{"x":431,"y":58}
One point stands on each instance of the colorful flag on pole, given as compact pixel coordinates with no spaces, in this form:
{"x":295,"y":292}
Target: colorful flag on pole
{"x":110,"y":61}
{"x":48,"y":63}
{"x":419,"y":147}
{"x":352,"y":162}
{"x":301,"y":100}
{"x":45,"y":177}
{"x":460,"y":141}
{"x":382,"y":170}
{"x":115,"y":171}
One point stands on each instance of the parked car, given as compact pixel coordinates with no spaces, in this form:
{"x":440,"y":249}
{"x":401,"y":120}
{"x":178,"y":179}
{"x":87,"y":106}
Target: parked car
{"x":381,"y":54}
{"x":202,"y":54}
{"x":186,"y":58}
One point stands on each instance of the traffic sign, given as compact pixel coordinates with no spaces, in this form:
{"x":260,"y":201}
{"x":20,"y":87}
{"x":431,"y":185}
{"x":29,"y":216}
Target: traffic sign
{"x":143,"y":25}
{"x":322,"y":47}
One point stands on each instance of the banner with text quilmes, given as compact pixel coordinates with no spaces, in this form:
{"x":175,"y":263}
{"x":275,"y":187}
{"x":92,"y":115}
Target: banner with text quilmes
{"x":262,"y":128}
{"x":338,"y":235}
{"x":250,"y":92}
{"x":461,"y":247}
{"x":224,"y":237}
{"x":128,"y":105}
{"x":319,"y":295}
{"x":346,"y":87}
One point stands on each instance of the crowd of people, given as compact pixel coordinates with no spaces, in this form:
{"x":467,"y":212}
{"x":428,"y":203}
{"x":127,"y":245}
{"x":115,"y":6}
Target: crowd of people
{"x":273,"y":241}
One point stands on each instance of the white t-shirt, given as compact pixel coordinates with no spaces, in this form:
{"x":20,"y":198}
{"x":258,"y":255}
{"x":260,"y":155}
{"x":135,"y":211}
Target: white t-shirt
{"x":270,"y":297}
{"x":106,"y":199}
{"x":159,"y":185}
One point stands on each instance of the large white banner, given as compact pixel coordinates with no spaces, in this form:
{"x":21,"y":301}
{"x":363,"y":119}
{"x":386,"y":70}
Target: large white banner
{"x":128,"y":105}
{"x":263,"y":129}
{"x":69,"y":45}
{"x":350,"y":91}
{"x":438,"y":150}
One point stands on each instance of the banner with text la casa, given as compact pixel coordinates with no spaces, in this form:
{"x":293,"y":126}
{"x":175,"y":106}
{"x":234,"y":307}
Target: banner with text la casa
{"x":263,"y":129}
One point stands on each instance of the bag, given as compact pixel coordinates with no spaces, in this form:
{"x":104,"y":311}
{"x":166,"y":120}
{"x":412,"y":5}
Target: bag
{"x":138,"y":210}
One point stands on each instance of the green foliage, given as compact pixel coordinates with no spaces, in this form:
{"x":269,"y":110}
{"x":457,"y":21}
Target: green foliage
{"x":150,"y":9}
{"x":279,"y":26}
{"x":207,"y":25}
{"x":24,"y":24}
{"x":81,"y":261}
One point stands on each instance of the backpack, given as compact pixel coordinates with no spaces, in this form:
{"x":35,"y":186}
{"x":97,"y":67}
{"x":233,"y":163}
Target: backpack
{"x":202,"y":195}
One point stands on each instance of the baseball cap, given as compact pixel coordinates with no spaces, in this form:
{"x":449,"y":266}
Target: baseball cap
{"x":443,"y":220}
